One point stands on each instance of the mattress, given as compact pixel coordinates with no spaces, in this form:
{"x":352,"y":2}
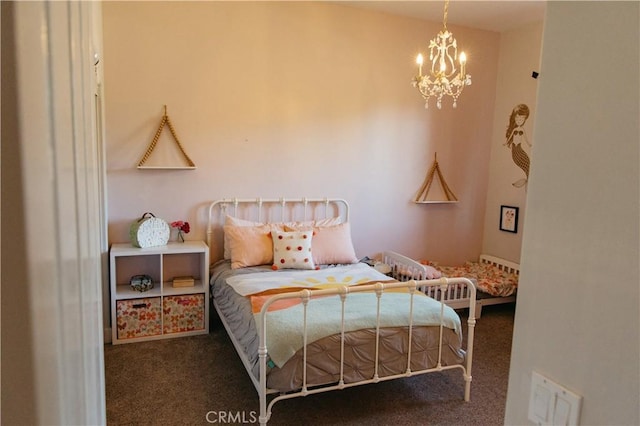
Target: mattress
{"x":323,"y":355}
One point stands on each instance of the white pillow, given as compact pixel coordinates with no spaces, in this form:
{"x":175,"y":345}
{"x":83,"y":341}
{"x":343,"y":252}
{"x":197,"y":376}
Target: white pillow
{"x":292,"y":250}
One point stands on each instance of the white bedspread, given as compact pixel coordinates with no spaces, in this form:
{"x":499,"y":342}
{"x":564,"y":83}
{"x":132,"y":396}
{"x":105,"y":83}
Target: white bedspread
{"x":347,"y":275}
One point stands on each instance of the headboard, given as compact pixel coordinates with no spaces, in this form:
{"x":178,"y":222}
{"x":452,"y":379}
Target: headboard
{"x":502,"y":264}
{"x":268,"y":210}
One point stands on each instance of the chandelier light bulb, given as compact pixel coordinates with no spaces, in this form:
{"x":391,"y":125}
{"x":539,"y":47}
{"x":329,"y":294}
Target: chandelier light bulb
{"x":419,"y":61}
{"x":463,"y":58}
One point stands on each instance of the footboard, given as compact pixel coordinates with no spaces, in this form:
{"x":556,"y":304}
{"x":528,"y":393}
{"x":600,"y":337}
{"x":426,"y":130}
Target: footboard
{"x":415,"y":306}
{"x":403,"y":268}
{"x":456,"y":295}
{"x":503,"y":265}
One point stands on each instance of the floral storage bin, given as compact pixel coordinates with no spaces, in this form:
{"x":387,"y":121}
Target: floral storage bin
{"x":183,"y":313}
{"x":138,"y":317}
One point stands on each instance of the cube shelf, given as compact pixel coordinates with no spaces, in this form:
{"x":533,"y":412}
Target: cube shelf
{"x":163,"y":311}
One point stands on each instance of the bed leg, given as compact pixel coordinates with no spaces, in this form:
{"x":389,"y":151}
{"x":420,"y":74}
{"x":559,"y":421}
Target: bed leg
{"x":262,"y":355}
{"x":263,"y":411}
{"x":264,"y":416}
{"x":478,"y":308}
{"x":471,"y":326}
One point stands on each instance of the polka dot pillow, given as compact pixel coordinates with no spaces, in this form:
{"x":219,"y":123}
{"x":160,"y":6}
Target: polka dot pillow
{"x":292,"y":250}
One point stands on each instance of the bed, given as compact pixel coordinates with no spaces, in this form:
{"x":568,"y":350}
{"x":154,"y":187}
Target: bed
{"x":495,"y":280}
{"x":308,"y":317}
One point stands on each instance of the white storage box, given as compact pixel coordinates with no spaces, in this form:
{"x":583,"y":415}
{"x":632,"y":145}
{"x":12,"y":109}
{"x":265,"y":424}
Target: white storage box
{"x":149,"y":231}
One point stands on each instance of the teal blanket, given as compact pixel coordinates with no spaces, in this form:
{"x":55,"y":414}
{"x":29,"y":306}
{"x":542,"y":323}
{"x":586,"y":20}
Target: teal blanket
{"x":285,"y":327}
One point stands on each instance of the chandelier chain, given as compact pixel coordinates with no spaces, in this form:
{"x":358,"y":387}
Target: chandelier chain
{"x":446,"y":14}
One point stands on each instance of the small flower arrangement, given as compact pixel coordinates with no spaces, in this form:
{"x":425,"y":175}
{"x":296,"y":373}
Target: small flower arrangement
{"x":183,"y":227}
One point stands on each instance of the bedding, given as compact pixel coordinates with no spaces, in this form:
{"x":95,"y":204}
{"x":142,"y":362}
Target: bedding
{"x":487,"y":278}
{"x":239,"y":294}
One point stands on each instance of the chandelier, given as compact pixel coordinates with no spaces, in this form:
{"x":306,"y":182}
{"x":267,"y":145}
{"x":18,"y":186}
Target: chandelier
{"x":443,"y":78}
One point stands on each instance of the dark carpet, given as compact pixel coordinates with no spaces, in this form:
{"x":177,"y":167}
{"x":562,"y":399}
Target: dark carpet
{"x":200,"y":380}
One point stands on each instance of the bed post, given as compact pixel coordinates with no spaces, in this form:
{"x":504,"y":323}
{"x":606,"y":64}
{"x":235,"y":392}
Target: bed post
{"x":262,"y":355}
{"x":471,"y":322}
{"x":209,"y":224}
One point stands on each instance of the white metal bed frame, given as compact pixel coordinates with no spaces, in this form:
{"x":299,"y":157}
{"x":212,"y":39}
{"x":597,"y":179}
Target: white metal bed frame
{"x":410,"y":275}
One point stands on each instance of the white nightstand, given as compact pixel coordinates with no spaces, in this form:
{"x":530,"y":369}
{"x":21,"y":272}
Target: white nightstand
{"x":163,"y":311}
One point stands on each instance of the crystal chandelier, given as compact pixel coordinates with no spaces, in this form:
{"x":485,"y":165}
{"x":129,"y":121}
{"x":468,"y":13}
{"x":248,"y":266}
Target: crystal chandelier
{"x":444,"y":78}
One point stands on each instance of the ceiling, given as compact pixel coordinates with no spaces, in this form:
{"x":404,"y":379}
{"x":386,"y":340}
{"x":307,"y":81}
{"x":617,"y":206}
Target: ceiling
{"x":494,"y":15}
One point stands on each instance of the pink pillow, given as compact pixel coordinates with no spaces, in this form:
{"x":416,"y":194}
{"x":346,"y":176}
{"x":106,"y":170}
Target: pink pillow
{"x":331,"y":244}
{"x":432,"y":273}
{"x":249,"y":245}
{"x":309,"y":224}
{"x":329,"y":221}
{"x":231,"y":221}
{"x":235,"y":221}
{"x":292,"y":250}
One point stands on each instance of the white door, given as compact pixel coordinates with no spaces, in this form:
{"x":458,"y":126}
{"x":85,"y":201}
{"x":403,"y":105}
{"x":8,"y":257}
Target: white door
{"x":56,"y":191}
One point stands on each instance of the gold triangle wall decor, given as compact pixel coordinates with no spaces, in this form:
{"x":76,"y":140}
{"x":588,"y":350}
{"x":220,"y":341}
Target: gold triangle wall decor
{"x":154,"y":142}
{"x":423,"y":192}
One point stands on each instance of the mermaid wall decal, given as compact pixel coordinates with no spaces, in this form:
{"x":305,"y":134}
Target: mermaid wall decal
{"x":516,"y":135}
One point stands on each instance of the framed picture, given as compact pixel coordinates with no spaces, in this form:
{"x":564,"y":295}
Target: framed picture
{"x":509,"y":219}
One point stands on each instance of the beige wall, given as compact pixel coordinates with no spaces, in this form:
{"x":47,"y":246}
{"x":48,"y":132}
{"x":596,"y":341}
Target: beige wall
{"x":519,"y":57}
{"x":578,"y":302}
{"x":296,"y":99}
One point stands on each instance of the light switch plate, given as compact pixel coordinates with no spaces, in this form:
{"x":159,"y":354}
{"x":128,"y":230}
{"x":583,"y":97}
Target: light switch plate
{"x":551,"y":403}
{"x":541,"y":403}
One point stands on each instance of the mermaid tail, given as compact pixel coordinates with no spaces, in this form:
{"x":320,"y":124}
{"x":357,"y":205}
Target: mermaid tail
{"x":521,"y":159}
{"x":520,"y":183}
